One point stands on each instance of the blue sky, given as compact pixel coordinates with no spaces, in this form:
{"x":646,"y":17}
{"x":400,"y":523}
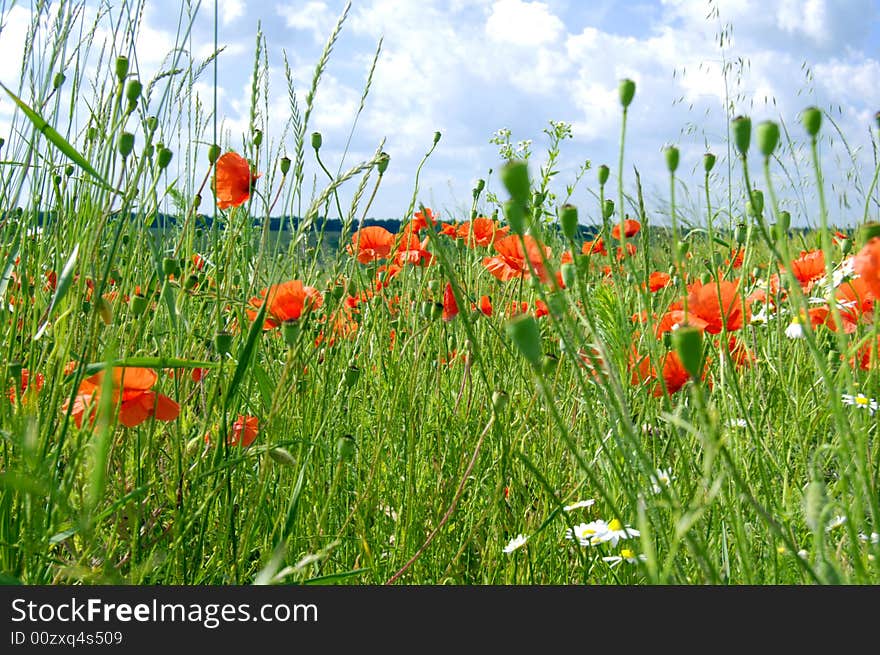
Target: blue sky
{"x":466,"y":68}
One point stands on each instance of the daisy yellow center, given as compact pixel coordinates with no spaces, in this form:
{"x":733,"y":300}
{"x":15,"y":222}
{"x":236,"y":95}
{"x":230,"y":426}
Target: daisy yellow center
{"x":626,"y":553}
{"x":615,"y":525}
{"x":861,"y":400}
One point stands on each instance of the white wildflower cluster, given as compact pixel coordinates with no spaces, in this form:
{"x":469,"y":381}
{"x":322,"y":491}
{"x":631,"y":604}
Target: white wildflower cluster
{"x":599,"y":532}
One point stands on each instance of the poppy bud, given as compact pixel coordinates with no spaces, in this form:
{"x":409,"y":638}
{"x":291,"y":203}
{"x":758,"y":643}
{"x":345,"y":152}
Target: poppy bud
{"x":568,"y":218}
{"x":382,"y":164}
{"x":784,"y":222}
{"x":290,"y":331}
{"x":768,"y":137}
{"x":608,"y":208}
{"x":282,"y":456}
{"x":133,"y":91}
{"x":515,"y":177}
{"x":478,"y":187}
{"x":549,"y":364}
{"x":602,"y":174}
{"x":526,"y":336}
{"x":317,"y":140}
{"x":345,"y":448}
{"x":138,"y":305}
{"x":121,"y":68}
{"x":125,"y":144}
{"x":812,"y":120}
{"x":814,"y":504}
{"x":86,"y":306}
{"x":740,"y":233}
{"x":569,"y":275}
{"x":223,"y":343}
{"x":671,"y":158}
{"x":191,"y":282}
{"x":105,"y":311}
{"x":499,"y":400}
{"x":516,"y":216}
{"x":197,"y":201}
{"x":756,"y":204}
{"x":58,"y":80}
{"x":170,"y":267}
{"x":152,"y":123}
{"x":164,"y":158}
{"x":284,"y":165}
{"x":148,"y":151}
{"x":627,"y":91}
{"x":846,"y":246}
{"x":708,"y":162}
{"x":352,"y":373}
{"x":56,"y":180}
{"x":258,"y":138}
{"x":742,"y":133}
{"x":213,"y":153}
{"x":688,"y":344}
{"x":437,"y":136}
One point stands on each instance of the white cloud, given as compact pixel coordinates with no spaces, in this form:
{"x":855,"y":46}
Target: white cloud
{"x":523,"y":23}
{"x":313,"y":16}
{"x":231,"y":10}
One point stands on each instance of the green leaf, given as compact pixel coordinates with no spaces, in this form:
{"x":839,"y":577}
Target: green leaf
{"x":334,"y":577}
{"x":61,"y":289}
{"x":244,"y":357}
{"x":57,"y":140}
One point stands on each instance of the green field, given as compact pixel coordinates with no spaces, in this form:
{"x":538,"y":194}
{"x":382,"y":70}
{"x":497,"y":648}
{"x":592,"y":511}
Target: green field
{"x":463,"y":401}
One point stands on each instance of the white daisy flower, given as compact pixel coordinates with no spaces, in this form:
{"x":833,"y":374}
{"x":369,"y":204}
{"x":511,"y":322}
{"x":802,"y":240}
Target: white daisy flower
{"x":661,"y":478}
{"x":514,"y":544}
{"x":803,"y":554}
{"x":579,"y":505}
{"x":615,"y":531}
{"x":795,"y":330}
{"x":761,"y":317}
{"x":836,"y":522}
{"x":626,"y":555}
{"x":588,"y":534}
{"x":737,"y":423}
{"x":874,"y":537}
{"x":860,"y":400}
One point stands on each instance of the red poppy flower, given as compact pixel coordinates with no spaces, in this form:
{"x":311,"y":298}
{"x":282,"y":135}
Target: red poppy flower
{"x":244,"y":431}
{"x":541,"y":308}
{"x":286,"y":302}
{"x":630,"y":251}
{"x":449,"y":230}
{"x":596,"y":246}
{"x":131,"y":390}
{"x":233,"y":180}
{"x":481,"y":232}
{"x":809,"y":268}
{"x":450,"y":307}
{"x":868,"y":355}
{"x":867,"y":265}
{"x":371,"y":244}
{"x":421,"y":220}
{"x":719,"y":305}
{"x":486,"y":305}
{"x":658,"y":280}
{"x":673,"y":372}
{"x":630,"y":228}
{"x":739,"y":353}
{"x":38,"y":381}
{"x":737,"y":256}
{"x":855,"y":301}
{"x":675,"y":318}
{"x":513,"y":262}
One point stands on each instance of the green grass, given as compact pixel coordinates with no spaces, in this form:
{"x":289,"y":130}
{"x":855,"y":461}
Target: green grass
{"x":415,"y":458}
